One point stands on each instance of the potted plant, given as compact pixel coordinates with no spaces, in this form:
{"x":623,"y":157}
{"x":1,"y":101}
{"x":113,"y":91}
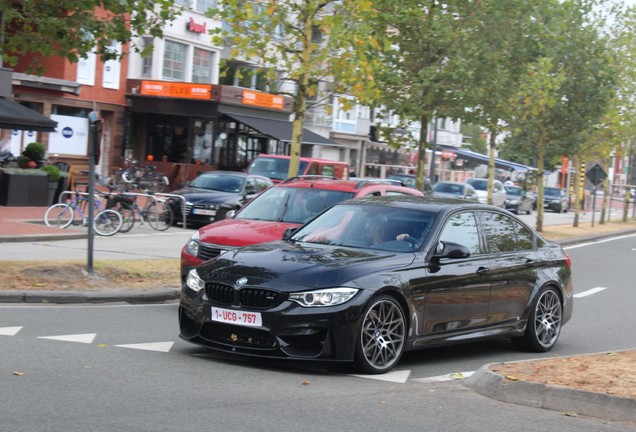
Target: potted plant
{"x":35,"y":152}
{"x":54,"y":175}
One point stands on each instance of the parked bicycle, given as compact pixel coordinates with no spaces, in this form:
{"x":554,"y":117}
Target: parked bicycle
{"x":141,"y":177}
{"x":61,"y":215}
{"x":156,"y":211}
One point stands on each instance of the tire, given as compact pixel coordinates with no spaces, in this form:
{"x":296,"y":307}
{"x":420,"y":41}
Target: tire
{"x":59,"y":215}
{"x":107,"y":222}
{"x":127,"y":214}
{"x":381,"y":338}
{"x":544,"y":323}
{"x":159,"y":215}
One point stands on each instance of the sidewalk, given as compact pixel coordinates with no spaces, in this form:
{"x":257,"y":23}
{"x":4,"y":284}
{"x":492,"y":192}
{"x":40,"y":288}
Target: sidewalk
{"x":27,"y":224}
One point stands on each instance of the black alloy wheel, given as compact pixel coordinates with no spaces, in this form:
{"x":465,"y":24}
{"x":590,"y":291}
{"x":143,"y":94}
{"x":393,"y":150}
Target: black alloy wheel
{"x":382,"y":335}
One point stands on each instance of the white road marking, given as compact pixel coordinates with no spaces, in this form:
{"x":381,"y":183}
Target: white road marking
{"x":597,"y":242}
{"x":393,"y":376}
{"x":81,"y":338}
{"x":154,"y":346}
{"x":447,"y":377}
{"x":9,"y":331}
{"x":589,"y":292}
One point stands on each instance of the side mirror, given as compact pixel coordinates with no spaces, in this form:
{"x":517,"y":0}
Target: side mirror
{"x":451,"y":250}
{"x":288,"y":233}
{"x":230,"y":214}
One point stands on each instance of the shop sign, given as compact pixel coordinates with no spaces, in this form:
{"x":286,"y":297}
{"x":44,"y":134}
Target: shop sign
{"x":176,"y":89}
{"x":265,"y":100}
{"x":447,"y":154}
{"x":196,"y":27}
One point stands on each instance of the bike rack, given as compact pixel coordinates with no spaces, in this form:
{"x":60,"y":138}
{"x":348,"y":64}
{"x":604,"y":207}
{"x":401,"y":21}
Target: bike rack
{"x":146,"y":195}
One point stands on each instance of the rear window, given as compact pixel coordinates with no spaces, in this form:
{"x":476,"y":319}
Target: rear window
{"x":479,"y":184}
{"x":274,"y":168}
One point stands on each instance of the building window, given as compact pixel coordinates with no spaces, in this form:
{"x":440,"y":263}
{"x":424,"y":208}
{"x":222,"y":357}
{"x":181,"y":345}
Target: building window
{"x":204,"y":5}
{"x":241,"y":75}
{"x":185,"y":3}
{"x":146,"y":61}
{"x":174,"y":61}
{"x":202,"y":66}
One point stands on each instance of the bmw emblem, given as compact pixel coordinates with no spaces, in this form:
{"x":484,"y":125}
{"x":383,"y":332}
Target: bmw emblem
{"x":241,"y":281}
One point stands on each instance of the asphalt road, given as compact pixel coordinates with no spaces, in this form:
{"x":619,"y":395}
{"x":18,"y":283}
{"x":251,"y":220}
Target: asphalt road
{"x":122,"y":367}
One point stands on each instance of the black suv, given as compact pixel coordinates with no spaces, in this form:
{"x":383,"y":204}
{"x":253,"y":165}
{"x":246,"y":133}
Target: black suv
{"x":556,"y":200}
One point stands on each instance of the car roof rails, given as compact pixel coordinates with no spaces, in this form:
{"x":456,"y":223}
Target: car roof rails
{"x":309,"y":177}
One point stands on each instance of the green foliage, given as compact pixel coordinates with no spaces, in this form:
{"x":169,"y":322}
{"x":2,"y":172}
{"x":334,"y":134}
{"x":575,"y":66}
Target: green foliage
{"x":20,"y":171}
{"x":52,"y":172}
{"x":35,"y":151}
{"x":73,"y":28}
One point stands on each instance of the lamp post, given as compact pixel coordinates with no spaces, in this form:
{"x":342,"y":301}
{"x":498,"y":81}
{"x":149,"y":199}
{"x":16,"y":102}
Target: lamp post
{"x":95,"y":128}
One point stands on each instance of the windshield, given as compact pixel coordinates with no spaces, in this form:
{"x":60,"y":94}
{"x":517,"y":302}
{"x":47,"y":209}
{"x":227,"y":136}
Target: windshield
{"x":219,"y":182}
{"x":274,"y":168}
{"x":406,"y":180}
{"x":479,"y":184}
{"x":552,"y":192}
{"x":365,"y":226}
{"x":291,"y":205}
{"x":513,"y":190}
{"x":450,"y":188}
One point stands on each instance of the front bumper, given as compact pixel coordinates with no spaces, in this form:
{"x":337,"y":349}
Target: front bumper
{"x":288,"y":330}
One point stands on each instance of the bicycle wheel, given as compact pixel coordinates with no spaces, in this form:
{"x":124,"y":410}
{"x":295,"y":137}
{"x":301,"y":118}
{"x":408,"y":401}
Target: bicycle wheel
{"x":127,"y":214}
{"x":159,"y":215}
{"x":107,"y":222}
{"x":59,"y":215}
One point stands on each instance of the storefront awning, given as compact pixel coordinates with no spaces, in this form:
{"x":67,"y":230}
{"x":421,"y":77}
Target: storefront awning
{"x":15,"y":116}
{"x":484,"y":159}
{"x":281,"y":130}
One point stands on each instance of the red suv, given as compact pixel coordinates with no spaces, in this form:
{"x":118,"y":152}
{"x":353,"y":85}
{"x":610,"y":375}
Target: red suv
{"x":285,"y":205}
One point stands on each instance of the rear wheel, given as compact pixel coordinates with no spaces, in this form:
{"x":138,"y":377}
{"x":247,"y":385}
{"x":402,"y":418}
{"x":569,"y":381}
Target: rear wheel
{"x":544,"y":323}
{"x":159,"y":215}
{"x":58,"y":216}
{"x":381,"y":338}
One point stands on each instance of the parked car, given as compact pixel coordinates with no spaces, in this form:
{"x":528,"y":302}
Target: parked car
{"x":481,"y":186}
{"x":330,"y":291}
{"x":555,"y":199}
{"x":409,"y":181}
{"x":447,"y":189}
{"x":518,"y":201}
{"x":276,"y":167}
{"x":287,"y":205}
{"x":212,"y":194}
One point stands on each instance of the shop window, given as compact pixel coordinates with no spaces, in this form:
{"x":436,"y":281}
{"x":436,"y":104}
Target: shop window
{"x":204,"y":5}
{"x":202,"y":66}
{"x":174,"y":60}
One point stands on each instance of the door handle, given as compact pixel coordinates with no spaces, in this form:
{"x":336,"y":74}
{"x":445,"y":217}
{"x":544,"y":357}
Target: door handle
{"x":481,"y":271}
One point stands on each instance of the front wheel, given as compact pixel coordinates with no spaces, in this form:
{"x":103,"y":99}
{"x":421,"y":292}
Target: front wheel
{"x":107,"y":222}
{"x":59,"y":215}
{"x":381,"y":337}
{"x":544,"y":323}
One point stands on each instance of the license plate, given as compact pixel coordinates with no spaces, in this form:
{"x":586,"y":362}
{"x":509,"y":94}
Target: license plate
{"x":204,"y":212}
{"x":242,"y":318}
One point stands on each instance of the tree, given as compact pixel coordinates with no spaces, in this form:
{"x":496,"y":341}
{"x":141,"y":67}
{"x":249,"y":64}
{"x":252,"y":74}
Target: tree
{"x":323,"y":48}
{"x":420,"y":61}
{"x":74,"y":28}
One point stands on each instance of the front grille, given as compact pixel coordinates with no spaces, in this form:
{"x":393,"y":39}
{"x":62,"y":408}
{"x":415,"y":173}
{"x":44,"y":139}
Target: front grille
{"x":208,"y":250}
{"x":245,"y":297}
{"x":247,"y":337}
{"x":186,"y":208}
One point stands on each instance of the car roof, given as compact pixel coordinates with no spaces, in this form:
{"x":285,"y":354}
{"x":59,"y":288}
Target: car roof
{"x":302,"y":158}
{"x":353,"y":186}
{"x":233,"y":173}
{"x":452,"y":183}
{"x":425,"y":203}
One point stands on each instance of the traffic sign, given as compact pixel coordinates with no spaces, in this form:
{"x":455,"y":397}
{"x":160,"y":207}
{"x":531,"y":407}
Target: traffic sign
{"x":596,"y":175}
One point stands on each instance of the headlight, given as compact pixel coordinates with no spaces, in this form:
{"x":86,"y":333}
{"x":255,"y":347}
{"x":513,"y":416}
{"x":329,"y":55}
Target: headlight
{"x":194,"y":282}
{"x":192,"y":247}
{"x":326,"y":297}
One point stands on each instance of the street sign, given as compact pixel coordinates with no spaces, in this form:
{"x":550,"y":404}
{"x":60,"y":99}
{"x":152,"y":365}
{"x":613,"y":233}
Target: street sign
{"x":596,"y":175}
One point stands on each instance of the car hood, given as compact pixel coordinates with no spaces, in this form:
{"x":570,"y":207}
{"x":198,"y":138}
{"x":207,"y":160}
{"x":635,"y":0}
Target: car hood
{"x":242,"y":232}
{"x":288,"y":267}
{"x":196,"y":195}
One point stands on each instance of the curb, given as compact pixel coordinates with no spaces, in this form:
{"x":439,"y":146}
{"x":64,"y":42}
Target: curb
{"x":552,"y":397}
{"x":108,"y":296}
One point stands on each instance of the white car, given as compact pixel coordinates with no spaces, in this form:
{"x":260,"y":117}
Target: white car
{"x":481,"y":187}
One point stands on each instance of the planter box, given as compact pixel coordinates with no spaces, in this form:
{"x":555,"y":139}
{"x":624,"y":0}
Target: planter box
{"x":17,"y":190}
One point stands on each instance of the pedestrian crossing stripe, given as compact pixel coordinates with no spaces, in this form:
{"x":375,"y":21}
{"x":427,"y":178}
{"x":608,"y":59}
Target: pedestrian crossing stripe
{"x":9,"y":331}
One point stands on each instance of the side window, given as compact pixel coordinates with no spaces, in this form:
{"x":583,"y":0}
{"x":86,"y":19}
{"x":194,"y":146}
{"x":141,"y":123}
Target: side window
{"x":462,"y":229}
{"x":499,"y":232}
{"x":373,"y":193}
{"x":524,"y":237}
{"x":313,"y":169}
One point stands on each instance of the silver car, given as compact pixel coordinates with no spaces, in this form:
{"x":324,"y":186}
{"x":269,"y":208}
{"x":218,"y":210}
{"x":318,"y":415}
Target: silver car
{"x":448,"y":189}
{"x":481,"y":186}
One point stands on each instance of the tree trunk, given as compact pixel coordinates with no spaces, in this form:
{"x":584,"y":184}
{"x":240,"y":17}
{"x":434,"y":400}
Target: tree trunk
{"x":421,"y":155}
{"x":491,"y":162}
{"x":540,"y":171}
